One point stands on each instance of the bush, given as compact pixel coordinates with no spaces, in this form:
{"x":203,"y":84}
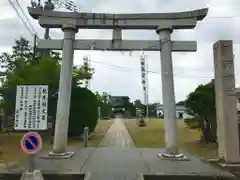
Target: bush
{"x":83,"y":111}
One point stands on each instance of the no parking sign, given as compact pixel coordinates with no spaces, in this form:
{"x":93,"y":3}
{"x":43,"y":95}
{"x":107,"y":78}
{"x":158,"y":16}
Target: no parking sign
{"x":31,"y":143}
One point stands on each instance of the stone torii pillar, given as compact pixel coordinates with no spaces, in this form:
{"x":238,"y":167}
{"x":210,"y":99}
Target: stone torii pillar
{"x":64,"y":94}
{"x":168,"y":94}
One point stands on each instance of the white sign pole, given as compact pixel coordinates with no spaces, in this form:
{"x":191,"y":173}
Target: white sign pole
{"x":147,"y":112}
{"x":143,"y":76}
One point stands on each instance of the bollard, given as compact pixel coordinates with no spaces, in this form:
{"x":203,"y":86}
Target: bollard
{"x":86,"y":136}
{"x":99,"y":113}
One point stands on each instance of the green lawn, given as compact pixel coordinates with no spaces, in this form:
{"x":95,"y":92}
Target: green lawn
{"x":152,"y":136}
{"x":10,"y":152}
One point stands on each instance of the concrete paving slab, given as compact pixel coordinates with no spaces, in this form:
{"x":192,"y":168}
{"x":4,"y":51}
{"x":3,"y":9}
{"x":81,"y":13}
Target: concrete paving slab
{"x":73,"y":164}
{"x":193,"y":167}
{"x":115,"y":160}
{"x":146,"y":161}
{"x":127,"y":163}
{"x":114,"y":176}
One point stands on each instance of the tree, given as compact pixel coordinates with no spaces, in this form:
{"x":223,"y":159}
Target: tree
{"x":22,"y":68}
{"x":152,"y":109}
{"x":181,"y":103}
{"x":103,"y":103}
{"x":80,"y":74}
{"x":138,"y":103}
{"x":201,"y":105}
{"x":132,"y":110}
{"x":46,"y":72}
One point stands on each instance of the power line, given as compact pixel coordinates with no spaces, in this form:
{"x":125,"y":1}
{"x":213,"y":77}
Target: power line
{"x":149,"y":71}
{"x":33,"y":32}
{"x":29,"y":22}
{"x":223,"y":17}
{"x":21,"y":18}
{"x":19,"y":15}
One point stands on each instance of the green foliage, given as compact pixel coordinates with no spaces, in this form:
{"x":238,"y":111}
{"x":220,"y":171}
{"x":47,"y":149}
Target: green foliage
{"x":80,"y":74}
{"x":106,"y":108}
{"x":22,"y":68}
{"x":138,"y":104}
{"x":152,"y":109}
{"x":83,"y":111}
{"x":131,"y":110}
{"x":201,"y":105}
{"x":182,"y":103}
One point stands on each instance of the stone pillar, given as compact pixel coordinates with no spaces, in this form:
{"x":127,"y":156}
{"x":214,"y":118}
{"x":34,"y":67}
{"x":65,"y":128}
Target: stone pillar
{"x":170,"y":123}
{"x":226,"y":107}
{"x":64,"y":94}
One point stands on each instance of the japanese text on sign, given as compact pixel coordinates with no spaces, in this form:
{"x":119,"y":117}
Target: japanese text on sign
{"x":31,"y":107}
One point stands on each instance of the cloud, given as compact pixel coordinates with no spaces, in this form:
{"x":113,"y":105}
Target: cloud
{"x":190,"y":69}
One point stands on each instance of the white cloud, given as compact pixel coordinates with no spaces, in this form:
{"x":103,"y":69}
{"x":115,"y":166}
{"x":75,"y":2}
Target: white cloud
{"x":190,"y":69}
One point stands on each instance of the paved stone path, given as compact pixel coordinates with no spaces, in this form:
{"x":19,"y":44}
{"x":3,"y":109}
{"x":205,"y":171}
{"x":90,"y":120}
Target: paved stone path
{"x":117,"y":136}
{"x":121,"y":161}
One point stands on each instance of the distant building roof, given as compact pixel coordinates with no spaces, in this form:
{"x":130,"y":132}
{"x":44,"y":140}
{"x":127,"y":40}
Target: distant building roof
{"x":118,"y":100}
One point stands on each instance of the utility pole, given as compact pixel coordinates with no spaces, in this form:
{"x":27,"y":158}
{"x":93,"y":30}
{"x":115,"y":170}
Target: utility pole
{"x":34,"y":48}
{"x":48,"y":6}
{"x":86,"y":64}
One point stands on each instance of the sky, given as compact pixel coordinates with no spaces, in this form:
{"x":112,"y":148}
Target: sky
{"x":119,"y":73}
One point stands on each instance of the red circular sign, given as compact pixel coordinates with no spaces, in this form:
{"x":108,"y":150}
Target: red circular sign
{"x":31,"y":143}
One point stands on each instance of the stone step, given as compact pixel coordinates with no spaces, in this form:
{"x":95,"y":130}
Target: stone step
{"x":46,"y":176}
{"x":113,"y":176}
{"x":118,"y":176}
{"x":163,"y":176}
{"x":156,"y":176}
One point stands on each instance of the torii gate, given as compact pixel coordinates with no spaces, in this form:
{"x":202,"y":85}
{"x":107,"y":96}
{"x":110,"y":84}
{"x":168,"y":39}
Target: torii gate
{"x":162,"y":23}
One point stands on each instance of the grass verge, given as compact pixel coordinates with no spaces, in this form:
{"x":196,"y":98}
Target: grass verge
{"x":152,"y":136}
{"x":11,"y":153}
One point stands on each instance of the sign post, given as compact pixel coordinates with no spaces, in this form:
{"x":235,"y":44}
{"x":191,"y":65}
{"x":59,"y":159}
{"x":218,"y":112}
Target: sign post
{"x":31,"y":144}
{"x":31,"y":115}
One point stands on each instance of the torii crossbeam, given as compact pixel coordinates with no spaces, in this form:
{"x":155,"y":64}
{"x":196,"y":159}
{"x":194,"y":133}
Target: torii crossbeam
{"x":118,"y":45}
